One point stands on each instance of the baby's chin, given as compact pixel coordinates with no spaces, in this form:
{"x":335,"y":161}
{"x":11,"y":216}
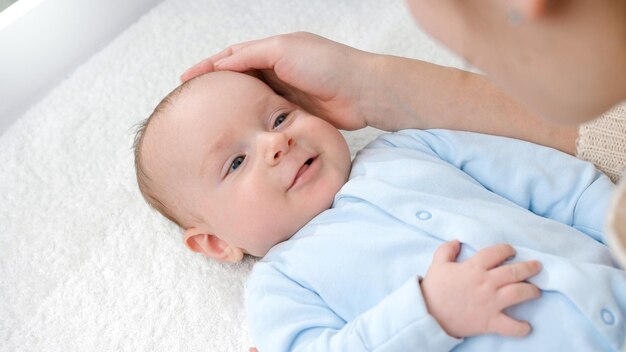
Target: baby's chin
{"x":294,"y":229}
{"x":296,"y":223}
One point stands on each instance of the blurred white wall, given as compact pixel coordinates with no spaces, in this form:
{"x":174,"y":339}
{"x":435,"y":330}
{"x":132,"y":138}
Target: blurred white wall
{"x":47,"y":42}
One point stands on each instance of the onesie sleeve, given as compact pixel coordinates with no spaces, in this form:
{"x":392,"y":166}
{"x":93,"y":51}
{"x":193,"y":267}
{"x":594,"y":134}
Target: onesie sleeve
{"x":543,"y":180}
{"x":286,"y":316}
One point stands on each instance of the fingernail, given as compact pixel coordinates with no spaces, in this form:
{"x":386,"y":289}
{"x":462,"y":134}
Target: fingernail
{"x":529,"y":330}
{"x":217,"y":63}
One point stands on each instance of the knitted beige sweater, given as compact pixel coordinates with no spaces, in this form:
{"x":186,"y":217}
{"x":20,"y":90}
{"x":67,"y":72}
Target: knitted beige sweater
{"x":603,"y":142}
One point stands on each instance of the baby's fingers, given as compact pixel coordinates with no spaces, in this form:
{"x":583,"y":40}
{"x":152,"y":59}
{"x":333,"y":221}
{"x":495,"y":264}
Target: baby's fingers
{"x":513,"y":294}
{"x":516,"y":272}
{"x":492,"y":256}
{"x":447,"y":252}
{"x":507,"y":326}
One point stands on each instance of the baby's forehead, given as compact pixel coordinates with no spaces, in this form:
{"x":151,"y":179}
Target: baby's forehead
{"x":225,"y":96}
{"x":227,"y":84}
{"x":214,"y":106}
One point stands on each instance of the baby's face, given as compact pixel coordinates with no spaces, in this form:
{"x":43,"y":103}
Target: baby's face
{"x":251,"y":167}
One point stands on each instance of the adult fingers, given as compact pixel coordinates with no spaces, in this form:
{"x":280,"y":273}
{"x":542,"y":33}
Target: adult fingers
{"x":204,"y":66}
{"x":507,"y":326}
{"x":492,"y":256}
{"x":513,"y":294}
{"x":516,"y":272}
{"x":447,"y":252}
{"x":256,"y":55}
{"x":208,"y":64}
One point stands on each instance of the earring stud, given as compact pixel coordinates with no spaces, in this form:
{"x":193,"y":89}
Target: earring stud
{"x":514,"y":17}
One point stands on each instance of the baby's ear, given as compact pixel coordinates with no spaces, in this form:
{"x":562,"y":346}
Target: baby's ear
{"x":211,"y":246}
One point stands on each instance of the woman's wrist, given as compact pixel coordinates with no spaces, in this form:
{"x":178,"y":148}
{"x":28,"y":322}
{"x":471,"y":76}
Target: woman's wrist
{"x":384,"y":101}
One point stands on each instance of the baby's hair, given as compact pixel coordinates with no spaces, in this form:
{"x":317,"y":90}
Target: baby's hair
{"x":143,"y":178}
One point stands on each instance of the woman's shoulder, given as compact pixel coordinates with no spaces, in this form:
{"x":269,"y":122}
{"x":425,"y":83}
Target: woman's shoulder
{"x":603,"y":142}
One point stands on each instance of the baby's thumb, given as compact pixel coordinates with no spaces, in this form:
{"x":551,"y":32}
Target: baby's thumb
{"x":507,"y":326}
{"x":447,"y":252}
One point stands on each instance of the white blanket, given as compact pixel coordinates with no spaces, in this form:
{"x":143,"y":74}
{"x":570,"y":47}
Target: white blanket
{"x":85,"y":265}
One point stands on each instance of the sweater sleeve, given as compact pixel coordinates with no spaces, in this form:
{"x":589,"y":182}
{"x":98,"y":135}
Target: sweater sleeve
{"x":545,"y":181}
{"x":285,"y":316}
{"x":603,"y":142}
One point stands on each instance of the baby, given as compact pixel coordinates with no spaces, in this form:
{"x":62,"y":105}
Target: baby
{"x":348,"y":265}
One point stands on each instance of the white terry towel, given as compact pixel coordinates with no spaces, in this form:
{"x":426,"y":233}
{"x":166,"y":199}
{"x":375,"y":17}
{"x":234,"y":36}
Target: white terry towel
{"x":84,"y":264}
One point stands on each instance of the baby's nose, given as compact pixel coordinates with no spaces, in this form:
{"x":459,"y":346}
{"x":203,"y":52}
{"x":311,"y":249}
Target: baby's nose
{"x":275,"y":146}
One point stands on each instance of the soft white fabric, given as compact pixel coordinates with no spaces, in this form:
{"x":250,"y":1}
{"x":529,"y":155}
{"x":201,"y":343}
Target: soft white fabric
{"x":84,"y":264}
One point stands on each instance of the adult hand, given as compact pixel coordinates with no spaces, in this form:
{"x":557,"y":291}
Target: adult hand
{"x":468,"y":298}
{"x":325,"y":78}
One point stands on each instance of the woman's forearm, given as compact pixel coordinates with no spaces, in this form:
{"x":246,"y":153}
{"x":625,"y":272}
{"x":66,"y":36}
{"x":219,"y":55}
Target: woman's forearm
{"x":410,"y":93}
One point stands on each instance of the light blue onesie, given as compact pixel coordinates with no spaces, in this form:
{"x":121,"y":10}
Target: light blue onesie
{"x":348,"y":280}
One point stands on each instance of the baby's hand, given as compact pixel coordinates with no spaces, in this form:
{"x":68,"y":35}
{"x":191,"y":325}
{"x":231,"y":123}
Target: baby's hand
{"x":468,"y":298}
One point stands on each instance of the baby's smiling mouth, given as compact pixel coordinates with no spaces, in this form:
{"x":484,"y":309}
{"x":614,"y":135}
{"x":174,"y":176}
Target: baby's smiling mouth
{"x":302,"y":170}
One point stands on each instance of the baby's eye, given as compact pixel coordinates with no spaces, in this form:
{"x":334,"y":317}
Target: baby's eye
{"x":280,"y":119}
{"x":236,"y":163}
